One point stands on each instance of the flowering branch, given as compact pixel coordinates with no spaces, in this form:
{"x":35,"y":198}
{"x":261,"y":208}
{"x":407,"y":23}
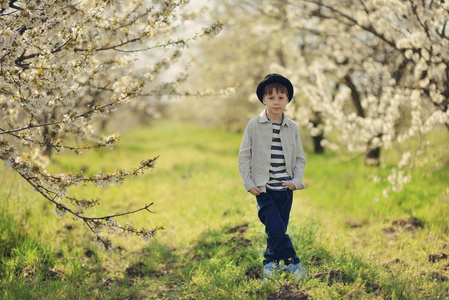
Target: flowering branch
{"x":64,"y":63}
{"x":95,"y":224}
{"x":70,"y":117}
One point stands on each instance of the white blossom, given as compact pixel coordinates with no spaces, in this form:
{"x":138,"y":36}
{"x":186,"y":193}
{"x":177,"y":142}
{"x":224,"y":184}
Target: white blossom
{"x":66,"y":63}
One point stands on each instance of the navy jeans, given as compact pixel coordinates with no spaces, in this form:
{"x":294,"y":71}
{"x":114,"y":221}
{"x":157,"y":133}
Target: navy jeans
{"x":274,"y":212}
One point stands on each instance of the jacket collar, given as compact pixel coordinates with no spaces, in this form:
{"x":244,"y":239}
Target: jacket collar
{"x":264,"y":119}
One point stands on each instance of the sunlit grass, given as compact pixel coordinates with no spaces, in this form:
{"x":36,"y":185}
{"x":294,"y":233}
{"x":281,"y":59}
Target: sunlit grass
{"x":348,"y":235}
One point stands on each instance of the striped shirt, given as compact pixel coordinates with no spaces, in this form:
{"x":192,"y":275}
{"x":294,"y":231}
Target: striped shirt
{"x":278,"y":171}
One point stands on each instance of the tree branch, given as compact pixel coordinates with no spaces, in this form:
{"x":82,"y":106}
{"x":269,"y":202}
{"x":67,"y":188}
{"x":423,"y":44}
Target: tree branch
{"x":83,"y":115}
{"x":102,"y":221}
{"x":121,"y":214}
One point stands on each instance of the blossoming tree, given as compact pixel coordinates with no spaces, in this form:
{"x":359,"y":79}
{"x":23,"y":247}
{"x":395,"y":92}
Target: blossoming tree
{"x":379,"y":70}
{"x":64,"y":64}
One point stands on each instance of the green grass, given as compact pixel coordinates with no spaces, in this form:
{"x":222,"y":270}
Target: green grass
{"x":354,"y":242}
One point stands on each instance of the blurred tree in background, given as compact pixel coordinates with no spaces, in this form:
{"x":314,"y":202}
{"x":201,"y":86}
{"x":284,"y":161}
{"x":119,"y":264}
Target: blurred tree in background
{"x":380,"y":73}
{"x":388,"y":60}
{"x":65,"y":64}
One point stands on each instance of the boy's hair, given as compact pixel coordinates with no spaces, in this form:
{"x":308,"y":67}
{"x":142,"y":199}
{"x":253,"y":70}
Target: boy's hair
{"x":280,"y":88}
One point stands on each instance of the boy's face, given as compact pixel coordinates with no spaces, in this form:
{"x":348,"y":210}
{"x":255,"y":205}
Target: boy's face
{"x":275,"y":102}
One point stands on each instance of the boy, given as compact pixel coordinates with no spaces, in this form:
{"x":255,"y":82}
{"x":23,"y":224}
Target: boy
{"x":271,"y":164}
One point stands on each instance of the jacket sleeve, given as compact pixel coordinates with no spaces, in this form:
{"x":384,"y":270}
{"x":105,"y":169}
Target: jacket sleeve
{"x":300,"y":163}
{"x":245,"y":158}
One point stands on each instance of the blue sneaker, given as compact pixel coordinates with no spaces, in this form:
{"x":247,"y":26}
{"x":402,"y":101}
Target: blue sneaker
{"x":296,"y":270}
{"x":270,"y":270}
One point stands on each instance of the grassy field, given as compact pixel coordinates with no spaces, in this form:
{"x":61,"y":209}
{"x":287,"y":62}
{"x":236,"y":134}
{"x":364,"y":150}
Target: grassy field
{"x":355,"y":243}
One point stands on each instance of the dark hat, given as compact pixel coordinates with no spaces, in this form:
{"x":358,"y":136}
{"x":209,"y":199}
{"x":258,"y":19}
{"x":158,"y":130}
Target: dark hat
{"x":274,"y":78}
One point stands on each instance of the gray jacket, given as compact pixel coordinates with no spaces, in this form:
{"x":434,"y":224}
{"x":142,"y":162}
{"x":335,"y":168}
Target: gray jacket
{"x":255,"y":152}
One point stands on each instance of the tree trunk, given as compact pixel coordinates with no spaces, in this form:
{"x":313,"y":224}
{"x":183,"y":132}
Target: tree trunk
{"x":317,"y":139}
{"x":372,"y":157}
{"x":318,"y":148}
